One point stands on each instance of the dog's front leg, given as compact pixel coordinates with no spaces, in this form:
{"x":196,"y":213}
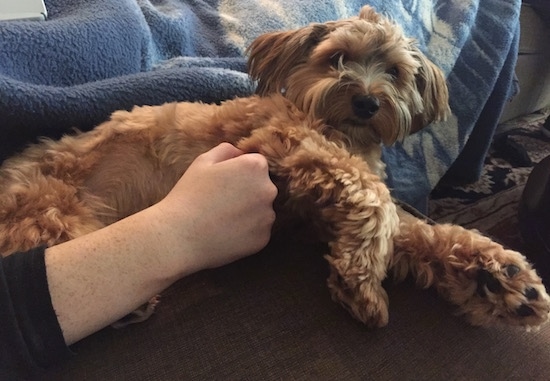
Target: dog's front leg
{"x":486,"y":281}
{"x":352,"y":204}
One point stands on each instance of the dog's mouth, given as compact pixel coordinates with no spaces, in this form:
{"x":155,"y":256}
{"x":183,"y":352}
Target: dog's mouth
{"x":360,"y":132}
{"x":365,"y":132}
{"x":355,"y":123}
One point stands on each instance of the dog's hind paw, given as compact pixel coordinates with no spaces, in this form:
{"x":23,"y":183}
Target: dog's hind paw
{"x":502,"y":287}
{"x":143,"y":313}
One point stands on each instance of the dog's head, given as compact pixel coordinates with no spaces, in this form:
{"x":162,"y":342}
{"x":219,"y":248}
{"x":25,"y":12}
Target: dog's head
{"x":361,"y":75}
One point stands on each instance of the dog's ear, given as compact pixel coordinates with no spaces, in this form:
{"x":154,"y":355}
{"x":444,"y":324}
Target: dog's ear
{"x":431,"y":85}
{"x":368,"y":13}
{"x":273,"y":55}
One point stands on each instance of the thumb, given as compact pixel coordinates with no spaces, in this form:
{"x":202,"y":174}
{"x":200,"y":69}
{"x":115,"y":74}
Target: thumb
{"x":221,"y":152}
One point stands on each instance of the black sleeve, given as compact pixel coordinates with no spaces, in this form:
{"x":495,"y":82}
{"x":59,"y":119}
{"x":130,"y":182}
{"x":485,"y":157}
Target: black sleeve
{"x":30,"y":335}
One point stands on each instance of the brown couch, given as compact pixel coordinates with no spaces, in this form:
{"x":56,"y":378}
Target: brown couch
{"x":270,"y":317}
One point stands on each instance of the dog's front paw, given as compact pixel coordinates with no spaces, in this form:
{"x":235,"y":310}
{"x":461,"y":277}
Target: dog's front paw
{"x":365,"y":301}
{"x":501,"y":286}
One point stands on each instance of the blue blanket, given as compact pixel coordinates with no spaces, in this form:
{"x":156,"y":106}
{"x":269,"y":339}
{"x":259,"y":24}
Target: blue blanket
{"x":92,"y":57}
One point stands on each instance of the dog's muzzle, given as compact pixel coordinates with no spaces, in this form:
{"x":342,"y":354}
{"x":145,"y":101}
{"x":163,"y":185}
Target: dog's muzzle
{"x":365,"y":106}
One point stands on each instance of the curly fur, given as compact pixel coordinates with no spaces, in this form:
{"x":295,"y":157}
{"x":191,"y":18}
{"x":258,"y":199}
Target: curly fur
{"x":328,"y":96}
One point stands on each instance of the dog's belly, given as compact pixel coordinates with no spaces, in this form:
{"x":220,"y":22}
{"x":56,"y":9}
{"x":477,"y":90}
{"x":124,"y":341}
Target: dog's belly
{"x":126,"y":181}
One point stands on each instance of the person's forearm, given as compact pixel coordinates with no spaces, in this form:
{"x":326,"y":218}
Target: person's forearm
{"x":96,"y":279}
{"x":219,"y":211}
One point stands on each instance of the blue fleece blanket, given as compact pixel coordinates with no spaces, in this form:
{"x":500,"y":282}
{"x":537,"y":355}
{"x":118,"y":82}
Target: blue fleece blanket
{"x":92,"y":57}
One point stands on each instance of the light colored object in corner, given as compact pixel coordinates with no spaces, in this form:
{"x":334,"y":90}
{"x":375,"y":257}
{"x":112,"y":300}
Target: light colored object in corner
{"x":32,"y":10}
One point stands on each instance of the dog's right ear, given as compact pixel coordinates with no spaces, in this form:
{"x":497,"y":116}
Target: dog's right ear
{"x":273,"y":55}
{"x":369,"y":14}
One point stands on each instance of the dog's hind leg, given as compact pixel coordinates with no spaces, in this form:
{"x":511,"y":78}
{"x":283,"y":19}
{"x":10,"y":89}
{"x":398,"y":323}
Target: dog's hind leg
{"x":44,"y":211}
{"x":487,"y":282}
{"x":350,"y":202}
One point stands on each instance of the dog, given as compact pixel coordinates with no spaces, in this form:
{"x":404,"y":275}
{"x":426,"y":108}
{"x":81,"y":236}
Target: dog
{"x":328,"y":96}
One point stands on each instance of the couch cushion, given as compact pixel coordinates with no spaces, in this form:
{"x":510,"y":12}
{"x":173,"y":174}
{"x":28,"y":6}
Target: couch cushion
{"x":270,"y":316}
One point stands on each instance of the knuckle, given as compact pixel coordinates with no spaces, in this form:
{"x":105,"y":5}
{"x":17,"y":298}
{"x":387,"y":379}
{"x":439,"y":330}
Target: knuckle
{"x":258,"y":161}
{"x":264,"y":240}
{"x":274,"y":191}
{"x":201,"y":157}
{"x":268,"y":194}
{"x":263,"y":236}
{"x":272,"y":216}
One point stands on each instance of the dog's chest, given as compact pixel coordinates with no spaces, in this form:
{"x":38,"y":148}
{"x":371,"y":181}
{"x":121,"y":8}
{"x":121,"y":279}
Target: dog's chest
{"x":373,"y":156}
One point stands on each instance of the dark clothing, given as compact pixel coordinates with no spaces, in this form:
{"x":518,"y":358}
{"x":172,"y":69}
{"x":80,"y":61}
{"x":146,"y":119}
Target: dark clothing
{"x":30,"y":335}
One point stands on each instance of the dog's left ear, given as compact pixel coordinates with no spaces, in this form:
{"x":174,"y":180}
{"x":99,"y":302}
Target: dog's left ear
{"x":432,"y":86}
{"x":273,"y":55}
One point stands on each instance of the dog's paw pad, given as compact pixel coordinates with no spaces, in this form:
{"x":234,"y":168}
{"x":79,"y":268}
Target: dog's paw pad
{"x":525,"y":311}
{"x":511,"y":270}
{"x":486,"y":281}
{"x":512,"y":292}
{"x":531,"y":294}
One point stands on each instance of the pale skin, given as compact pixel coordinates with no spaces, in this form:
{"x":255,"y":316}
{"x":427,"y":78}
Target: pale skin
{"x":221,"y":210}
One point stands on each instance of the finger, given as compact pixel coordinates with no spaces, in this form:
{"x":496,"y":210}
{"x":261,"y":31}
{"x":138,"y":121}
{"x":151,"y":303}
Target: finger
{"x":221,"y":152}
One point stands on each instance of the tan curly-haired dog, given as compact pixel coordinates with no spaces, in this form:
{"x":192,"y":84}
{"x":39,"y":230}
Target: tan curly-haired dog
{"x":329,"y":95}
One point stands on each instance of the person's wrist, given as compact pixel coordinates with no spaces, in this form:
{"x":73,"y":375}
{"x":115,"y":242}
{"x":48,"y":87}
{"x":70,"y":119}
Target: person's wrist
{"x":175,"y":248}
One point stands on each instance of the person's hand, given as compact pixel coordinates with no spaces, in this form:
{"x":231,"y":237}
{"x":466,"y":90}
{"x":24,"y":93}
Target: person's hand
{"x":222,"y":207}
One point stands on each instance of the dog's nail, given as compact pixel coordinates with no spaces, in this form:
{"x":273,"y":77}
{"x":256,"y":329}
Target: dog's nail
{"x":524,"y":311}
{"x":531,"y":294}
{"x":511,"y":270}
{"x":486,"y":279}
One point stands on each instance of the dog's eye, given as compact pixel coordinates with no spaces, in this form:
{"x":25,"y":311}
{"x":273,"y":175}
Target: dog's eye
{"x":393,"y":71}
{"x":336,"y":59}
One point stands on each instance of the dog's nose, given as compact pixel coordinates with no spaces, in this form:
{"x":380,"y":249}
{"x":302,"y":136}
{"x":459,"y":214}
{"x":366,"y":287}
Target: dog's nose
{"x":365,"y":106}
